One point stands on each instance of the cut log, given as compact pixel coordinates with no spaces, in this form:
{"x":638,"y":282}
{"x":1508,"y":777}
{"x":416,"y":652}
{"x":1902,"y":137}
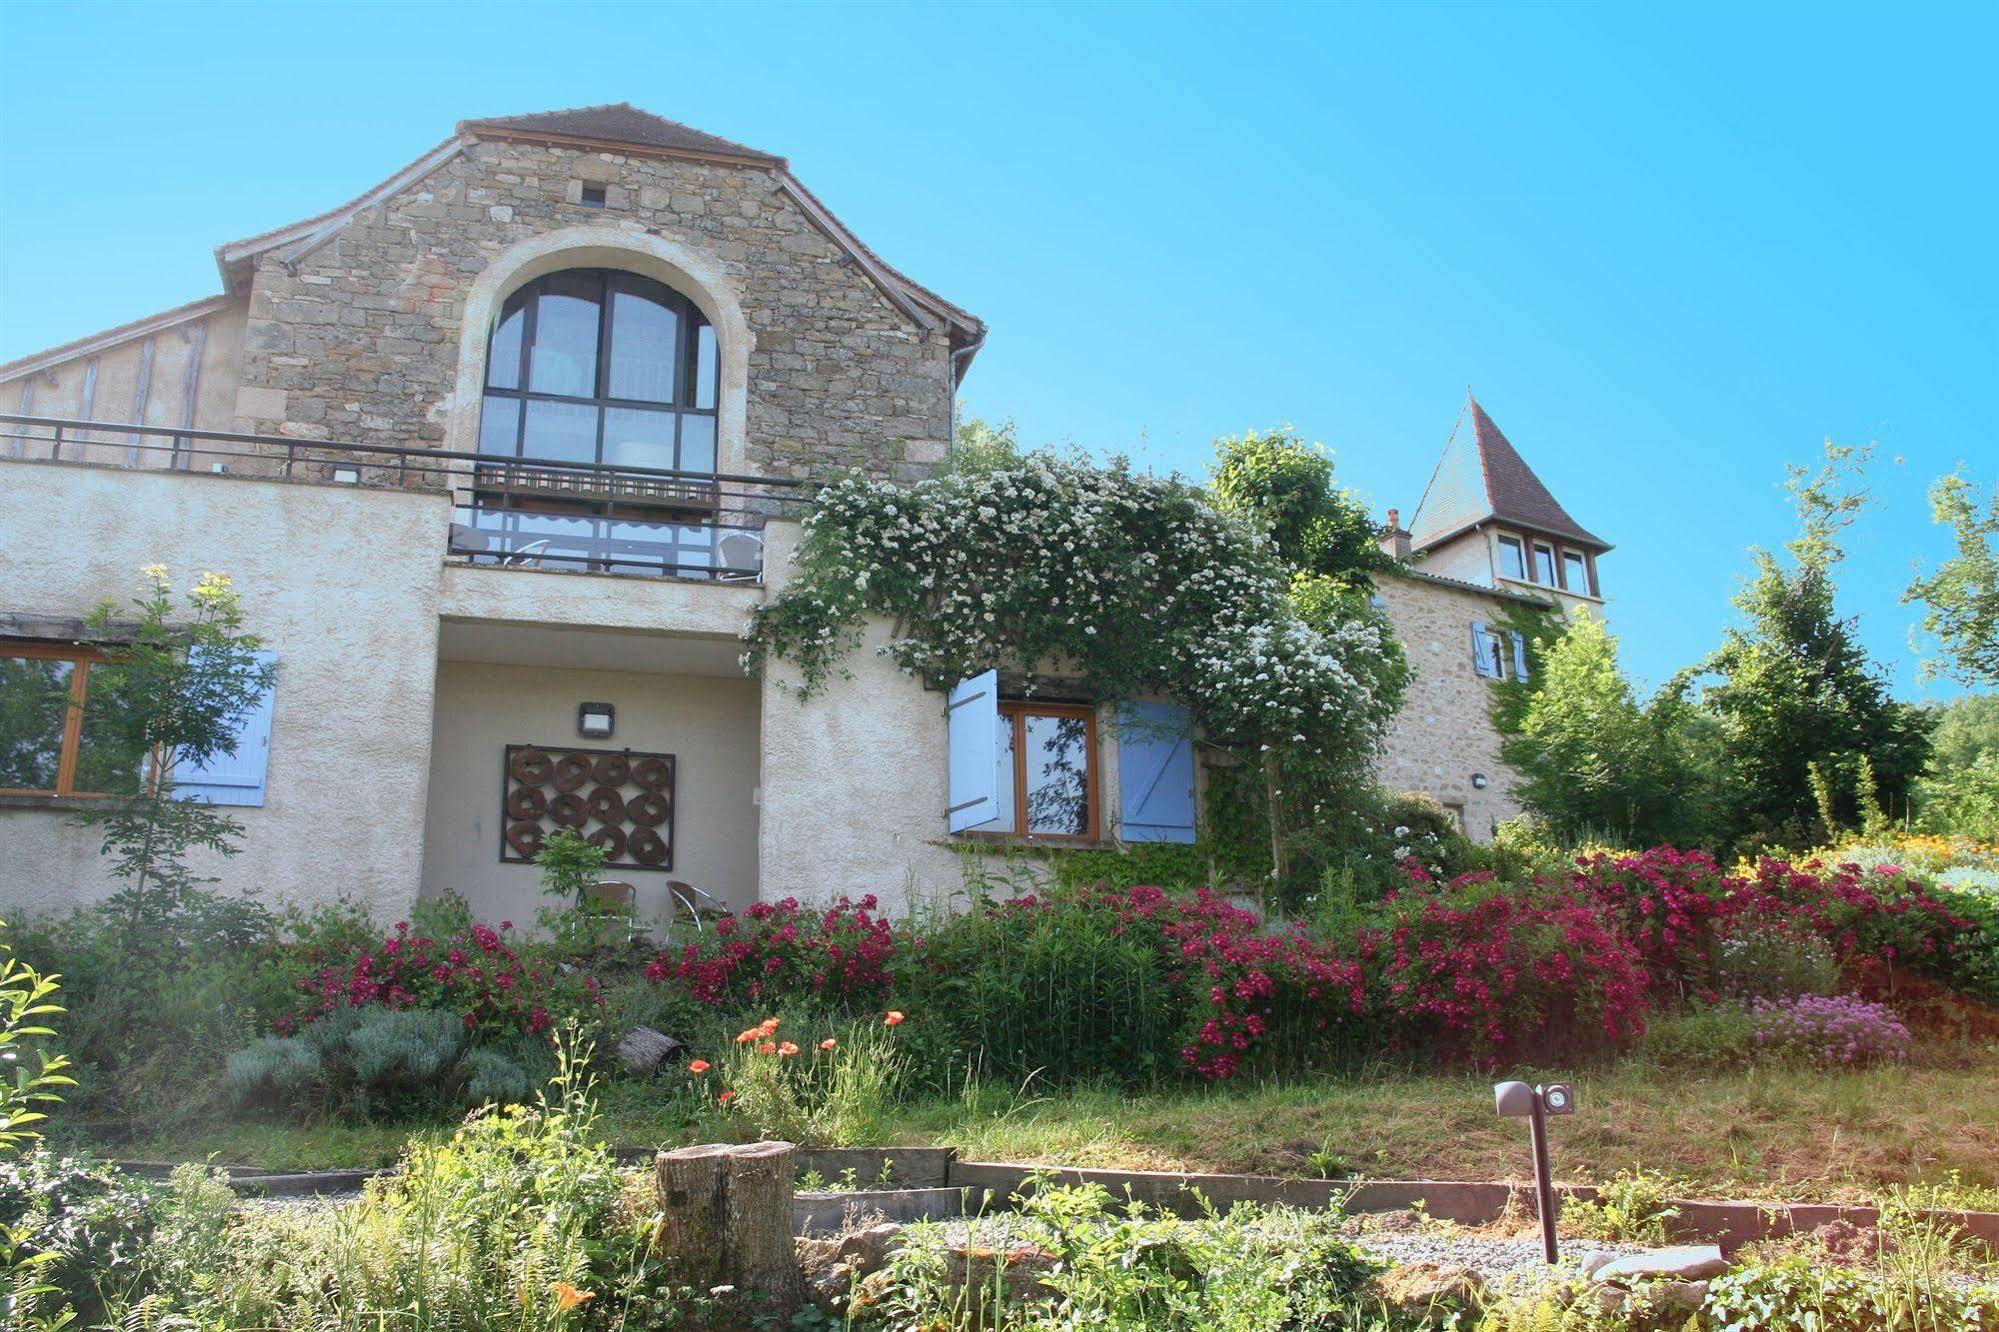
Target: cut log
{"x":644,"y":1051}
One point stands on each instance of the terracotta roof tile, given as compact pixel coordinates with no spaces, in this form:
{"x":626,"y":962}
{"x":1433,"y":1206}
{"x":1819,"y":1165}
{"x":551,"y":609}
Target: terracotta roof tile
{"x":619,"y":122}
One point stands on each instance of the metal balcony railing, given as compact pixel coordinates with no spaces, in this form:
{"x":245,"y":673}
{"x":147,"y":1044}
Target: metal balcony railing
{"x":512,"y":512}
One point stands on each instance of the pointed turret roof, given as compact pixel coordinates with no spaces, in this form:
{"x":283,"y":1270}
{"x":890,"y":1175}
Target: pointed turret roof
{"x":1482,"y":478}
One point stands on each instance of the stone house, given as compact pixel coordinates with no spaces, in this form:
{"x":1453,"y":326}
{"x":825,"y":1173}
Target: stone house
{"x":1487,"y":538}
{"x":502,"y":454}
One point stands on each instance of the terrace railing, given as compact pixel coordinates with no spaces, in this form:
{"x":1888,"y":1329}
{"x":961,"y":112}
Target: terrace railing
{"x":514,"y":512}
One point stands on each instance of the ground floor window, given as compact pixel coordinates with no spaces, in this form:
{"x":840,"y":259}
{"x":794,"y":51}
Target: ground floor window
{"x":1047,"y":768}
{"x":59,"y":736}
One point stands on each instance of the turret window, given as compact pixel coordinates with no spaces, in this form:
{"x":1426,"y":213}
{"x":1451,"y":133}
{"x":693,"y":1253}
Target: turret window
{"x":1575,"y":573}
{"x":1512,"y":558}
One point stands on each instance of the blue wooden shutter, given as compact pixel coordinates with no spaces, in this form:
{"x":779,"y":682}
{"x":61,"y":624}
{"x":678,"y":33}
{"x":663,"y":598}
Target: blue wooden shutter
{"x":1155,"y":773}
{"x":972,"y":711}
{"x":238,"y":778}
{"x":1484,"y":651}
{"x":1519,"y":654}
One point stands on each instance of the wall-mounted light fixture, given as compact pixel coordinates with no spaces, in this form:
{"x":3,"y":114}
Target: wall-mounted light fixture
{"x":1479,"y":781}
{"x":594,"y":720}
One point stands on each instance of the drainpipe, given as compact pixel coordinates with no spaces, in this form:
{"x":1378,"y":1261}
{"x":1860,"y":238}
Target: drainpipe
{"x":963,"y":353}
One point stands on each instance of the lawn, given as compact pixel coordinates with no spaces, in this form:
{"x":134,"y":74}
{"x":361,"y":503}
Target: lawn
{"x":1758,"y":1133}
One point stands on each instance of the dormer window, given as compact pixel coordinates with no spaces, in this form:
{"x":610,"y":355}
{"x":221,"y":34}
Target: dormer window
{"x":1575,"y":573}
{"x":1512,"y":558}
{"x":1544,"y":565}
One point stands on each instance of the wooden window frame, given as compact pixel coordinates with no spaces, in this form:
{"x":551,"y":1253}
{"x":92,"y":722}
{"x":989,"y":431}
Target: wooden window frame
{"x":81,"y":659}
{"x":1016,"y":712}
{"x":1588,"y":589}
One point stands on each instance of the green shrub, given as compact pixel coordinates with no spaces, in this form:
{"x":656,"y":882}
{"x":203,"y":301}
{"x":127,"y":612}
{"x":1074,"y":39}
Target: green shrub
{"x":1123,"y":1266}
{"x":1706,"y":1038}
{"x":375,"y":1063}
{"x":83,"y":1226}
{"x":1801,"y":1294}
{"x":1630,"y":1209}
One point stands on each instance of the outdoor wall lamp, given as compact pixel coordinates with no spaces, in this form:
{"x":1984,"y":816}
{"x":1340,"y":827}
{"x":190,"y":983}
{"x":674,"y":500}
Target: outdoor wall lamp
{"x":1517,"y":1100}
{"x":595,"y":720}
{"x":1479,"y":781}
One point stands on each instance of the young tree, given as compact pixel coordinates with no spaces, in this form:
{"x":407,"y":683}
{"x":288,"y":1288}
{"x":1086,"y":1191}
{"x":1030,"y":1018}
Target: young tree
{"x":172,"y":692}
{"x":1962,"y":596}
{"x":1797,"y":694}
{"x":1594,"y":760}
{"x":1284,"y":488}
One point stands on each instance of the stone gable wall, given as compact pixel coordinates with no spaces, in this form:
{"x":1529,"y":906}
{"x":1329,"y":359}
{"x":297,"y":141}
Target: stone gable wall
{"x":361,"y":342}
{"x":1444,"y":733}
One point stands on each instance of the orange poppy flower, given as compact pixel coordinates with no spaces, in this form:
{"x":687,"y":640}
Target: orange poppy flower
{"x":726,"y":1097}
{"x":828,"y":1044}
{"x":767,"y":1026}
{"x":894,"y":1018}
{"x":745,"y":1037}
{"x":768,"y":1047}
{"x":698,"y":1066}
{"x":788,"y":1049}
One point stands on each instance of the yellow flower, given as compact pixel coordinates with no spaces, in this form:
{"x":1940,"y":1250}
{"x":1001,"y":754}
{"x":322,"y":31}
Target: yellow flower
{"x":156,"y":573}
{"x":567,"y":1297}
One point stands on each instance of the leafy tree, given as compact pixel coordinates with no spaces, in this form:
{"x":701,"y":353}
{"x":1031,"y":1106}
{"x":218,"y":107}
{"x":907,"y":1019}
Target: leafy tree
{"x":1796,"y":693}
{"x":981,"y":446}
{"x":1962,"y":800}
{"x":1595,"y":761}
{"x":1963,"y":594}
{"x":1965,"y":728}
{"x":1284,"y":488}
{"x":177,"y":691}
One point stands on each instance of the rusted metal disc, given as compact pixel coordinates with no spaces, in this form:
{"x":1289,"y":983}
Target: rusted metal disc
{"x":612,"y":769}
{"x":606,"y":805}
{"x":646,"y":846}
{"x":569,"y":810}
{"x":648,"y":808}
{"x":525,"y":839}
{"x":530,"y":766}
{"x":526,"y":802}
{"x":652,"y":774}
{"x":571,"y":771}
{"x":611,"y":839}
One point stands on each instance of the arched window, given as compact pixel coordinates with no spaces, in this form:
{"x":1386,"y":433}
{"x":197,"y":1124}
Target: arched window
{"x":593,"y":365}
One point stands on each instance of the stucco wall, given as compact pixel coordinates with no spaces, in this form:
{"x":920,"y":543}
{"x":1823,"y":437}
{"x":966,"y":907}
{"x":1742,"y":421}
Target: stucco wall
{"x":708,"y":724}
{"x":1444,"y":733}
{"x":341,"y":583}
{"x":1467,"y":558}
{"x":126,"y":382}
{"x":360,"y":338}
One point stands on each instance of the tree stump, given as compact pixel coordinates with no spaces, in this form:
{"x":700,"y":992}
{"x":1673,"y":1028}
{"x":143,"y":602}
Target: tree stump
{"x":692,"y":1222}
{"x":762,"y":1251}
{"x":725,"y":1218}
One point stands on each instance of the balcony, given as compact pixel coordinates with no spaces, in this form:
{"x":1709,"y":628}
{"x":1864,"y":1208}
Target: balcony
{"x":512,"y":512}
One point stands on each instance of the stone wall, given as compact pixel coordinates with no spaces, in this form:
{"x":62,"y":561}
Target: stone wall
{"x":361,"y":341}
{"x":1445,"y":733}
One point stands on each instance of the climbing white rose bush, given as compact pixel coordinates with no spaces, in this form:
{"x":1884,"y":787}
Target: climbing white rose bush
{"x":1133,"y":581}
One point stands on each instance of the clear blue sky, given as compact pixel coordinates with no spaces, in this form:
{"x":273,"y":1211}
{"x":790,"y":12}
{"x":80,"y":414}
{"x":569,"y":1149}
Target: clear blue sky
{"x":1670,"y":247}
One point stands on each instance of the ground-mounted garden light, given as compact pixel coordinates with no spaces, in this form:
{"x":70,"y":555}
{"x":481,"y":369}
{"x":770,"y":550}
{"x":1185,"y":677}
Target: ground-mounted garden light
{"x":1517,"y":1100}
{"x":1479,"y":781}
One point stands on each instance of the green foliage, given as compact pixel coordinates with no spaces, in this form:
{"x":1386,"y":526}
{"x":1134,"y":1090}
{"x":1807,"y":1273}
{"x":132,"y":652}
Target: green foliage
{"x":1284,"y":488}
{"x":1802,"y":1294}
{"x":176,"y":684}
{"x":1707,"y":1037}
{"x":375,"y":1063}
{"x":1632,"y":1208}
{"x":1962,"y":596}
{"x":1965,"y":728}
{"x":1126,"y":1266}
{"x":1795,"y":687}
{"x":82,"y":1227}
{"x":569,"y":865}
{"x":1162,"y":864}
{"x":27,"y":1002}
{"x":1771,"y":962}
{"x":787,"y":1085}
{"x":981,"y":446}
{"x":1961,"y":801}
{"x":1593,"y":761}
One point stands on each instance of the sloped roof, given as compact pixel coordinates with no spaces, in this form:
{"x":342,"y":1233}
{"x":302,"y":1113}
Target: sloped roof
{"x":1482,"y":478}
{"x":615,"y":125}
{"x":617,"y":122}
{"x":112,"y":337}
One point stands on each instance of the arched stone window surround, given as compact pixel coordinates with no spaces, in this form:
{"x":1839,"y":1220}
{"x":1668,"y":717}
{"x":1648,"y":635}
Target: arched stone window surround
{"x":689,"y":271}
